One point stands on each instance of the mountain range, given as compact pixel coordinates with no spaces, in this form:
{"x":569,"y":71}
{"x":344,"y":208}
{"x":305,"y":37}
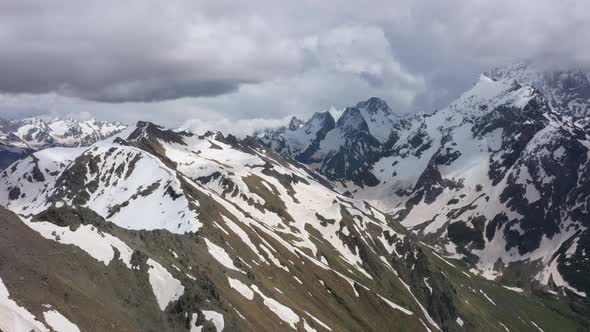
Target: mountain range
{"x":470,"y":218}
{"x":19,"y":138}
{"x":499,"y":178}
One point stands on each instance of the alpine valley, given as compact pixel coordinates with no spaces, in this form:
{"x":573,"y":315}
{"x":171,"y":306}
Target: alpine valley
{"x":471,"y":218}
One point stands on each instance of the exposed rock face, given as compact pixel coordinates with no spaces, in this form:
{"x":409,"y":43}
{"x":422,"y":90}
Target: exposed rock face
{"x":179,"y":232}
{"x":295,"y":124}
{"x":355,"y":150}
{"x":9,"y":154}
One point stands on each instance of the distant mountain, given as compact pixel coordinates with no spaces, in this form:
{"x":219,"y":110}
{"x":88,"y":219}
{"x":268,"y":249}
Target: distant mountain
{"x":157,"y":230}
{"x":567,"y":90}
{"x":37,"y":133}
{"x":300,"y":140}
{"x":18,"y":138}
{"x":500,"y":178}
{"x":340,"y":149}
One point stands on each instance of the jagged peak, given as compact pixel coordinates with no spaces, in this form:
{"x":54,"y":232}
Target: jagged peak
{"x":149,"y":130}
{"x":531,"y":70}
{"x":486,"y":93}
{"x":295,"y":123}
{"x":323,"y":120}
{"x":45,"y":122}
{"x":322,"y":116}
{"x":146,"y":124}
{"x":36,"y":121}
{"x":539,"y":75}
{"x":374,"y":105}
{"x":566,"y":89}
{"x":352,"y":119}
{"x":508,"y":70}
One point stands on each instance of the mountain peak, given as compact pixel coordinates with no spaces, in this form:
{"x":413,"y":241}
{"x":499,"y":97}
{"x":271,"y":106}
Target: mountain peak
{"x":149,"y":130}
{"x":325,"y":117}
{"x":295,"y":123}
{"x":567,"y":89}
{"x":374,"y":105}
{"x":323,"y":121}
{"x":379,"y":117}
{"x":352,"y":119}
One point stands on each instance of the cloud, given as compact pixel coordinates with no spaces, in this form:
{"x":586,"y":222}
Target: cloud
{"x":153,"y":90}
{"x":449,"y":42}
{"x":240,"y":128}
{"x":136,"y":50}
{"x":261,"y":59}
{"x":338,"y":61}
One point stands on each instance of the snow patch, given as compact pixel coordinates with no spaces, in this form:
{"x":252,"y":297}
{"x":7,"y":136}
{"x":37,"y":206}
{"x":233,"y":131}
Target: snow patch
{"x":459,"y":321}
{"x":285,"y":313}
{"x":487,"y":297}
{"x":514,"y":289}
{"x":97,"y":244}
{"x":241,"y":288}
{"x":396,"y":306}
{"x":59,"y":323}
{"x":537,"y":326}
{"x":216,"y":318}
{"x":504,"y":326}
{"x":165,"y":287}
{"x":319,"y":321}
{"x":14,"y":317}
{"x":221,"y":255}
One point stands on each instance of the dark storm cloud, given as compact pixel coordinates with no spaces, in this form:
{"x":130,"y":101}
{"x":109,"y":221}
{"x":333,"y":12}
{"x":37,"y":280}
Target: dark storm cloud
{"x":136,"y":51}
{"x":268,"y":59}
{"x":154,"y":90}
{"x":15,"y":113}
{"x":26,"y":75}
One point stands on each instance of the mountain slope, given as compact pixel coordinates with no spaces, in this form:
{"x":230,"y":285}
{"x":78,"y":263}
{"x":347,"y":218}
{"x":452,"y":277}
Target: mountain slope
{"x":208,"y":232}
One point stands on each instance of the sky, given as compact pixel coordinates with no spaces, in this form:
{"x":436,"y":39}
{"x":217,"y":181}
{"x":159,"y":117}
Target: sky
{"x":239,"y":65}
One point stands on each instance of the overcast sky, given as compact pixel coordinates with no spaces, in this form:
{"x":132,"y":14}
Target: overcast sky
{"x":250,"y":63}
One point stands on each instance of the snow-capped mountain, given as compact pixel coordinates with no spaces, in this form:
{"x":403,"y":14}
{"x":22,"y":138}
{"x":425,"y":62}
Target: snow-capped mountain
{"x":170,"y":231}
{"x":300,"y":140}
{"x":565,"y":89}
{"x":18,"y":138}
{"x":500,"y":177}
{"x":37,"y":133}
{"x":340,"y":149}
{"x":379,"y":117}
